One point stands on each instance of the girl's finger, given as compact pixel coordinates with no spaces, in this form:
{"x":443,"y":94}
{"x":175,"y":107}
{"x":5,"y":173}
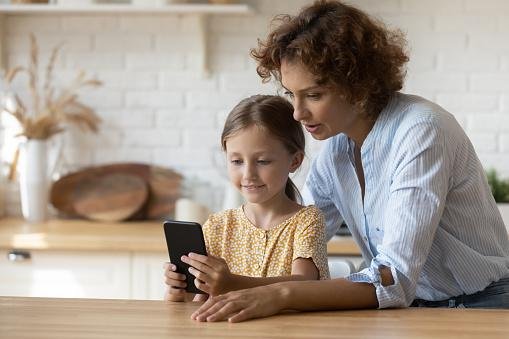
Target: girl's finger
{"x":175,"y":276}
{"x":200,"y":266}
{"x":199,"y":257}
{"x":202,"y":286}
{"x":200,"y":275}
{"x":175,"y":283}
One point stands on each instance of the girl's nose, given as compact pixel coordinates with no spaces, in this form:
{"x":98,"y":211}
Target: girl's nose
{"x":249,"y":171}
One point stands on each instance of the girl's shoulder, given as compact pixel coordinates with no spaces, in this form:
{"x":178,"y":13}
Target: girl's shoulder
{"x":223,"y":218}
{"x":309,"y":215}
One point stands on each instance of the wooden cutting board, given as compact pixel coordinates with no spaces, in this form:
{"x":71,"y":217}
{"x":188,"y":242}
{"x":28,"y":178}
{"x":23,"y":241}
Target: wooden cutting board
{"x":112,"y":197}
{"x":164,"y":188}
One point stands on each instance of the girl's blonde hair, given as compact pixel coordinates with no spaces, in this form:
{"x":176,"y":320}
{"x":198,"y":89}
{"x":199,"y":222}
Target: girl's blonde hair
{"x":274,"y":114}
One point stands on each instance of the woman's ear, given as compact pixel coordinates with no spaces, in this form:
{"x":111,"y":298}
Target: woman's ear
{"x":297,"y":159}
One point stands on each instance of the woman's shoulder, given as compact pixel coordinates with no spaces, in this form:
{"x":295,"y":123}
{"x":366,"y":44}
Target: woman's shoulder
{"x":412,"y":109}
{"x":407,"y":114}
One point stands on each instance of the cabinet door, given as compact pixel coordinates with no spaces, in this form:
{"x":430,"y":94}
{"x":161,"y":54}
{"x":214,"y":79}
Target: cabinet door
{"x":75,"y":274}
{"x":148,"y":275}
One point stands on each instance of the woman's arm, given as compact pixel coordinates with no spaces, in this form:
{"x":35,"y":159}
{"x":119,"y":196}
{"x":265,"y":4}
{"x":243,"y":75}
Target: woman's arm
{"x":214,"y":277}
{"x":268,"y":300}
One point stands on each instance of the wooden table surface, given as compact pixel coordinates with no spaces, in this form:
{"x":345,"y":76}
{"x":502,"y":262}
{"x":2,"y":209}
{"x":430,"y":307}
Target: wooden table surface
{"x":98,"y":318}
{"x":73,"y":234}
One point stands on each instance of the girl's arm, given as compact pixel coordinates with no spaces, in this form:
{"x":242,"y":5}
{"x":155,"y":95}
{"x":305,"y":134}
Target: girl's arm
{"x":264,"y":301}
{"x":214,"y":277}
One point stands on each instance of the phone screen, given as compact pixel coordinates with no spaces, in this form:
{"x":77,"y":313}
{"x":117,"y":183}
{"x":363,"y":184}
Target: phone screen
{"x":183,"y":237}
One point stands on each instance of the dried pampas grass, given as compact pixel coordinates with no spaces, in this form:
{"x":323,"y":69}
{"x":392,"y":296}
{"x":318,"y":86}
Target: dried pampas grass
{"x":49,"y":112}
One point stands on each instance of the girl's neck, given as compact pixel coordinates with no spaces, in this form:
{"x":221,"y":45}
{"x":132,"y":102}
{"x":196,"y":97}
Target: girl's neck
{"x":271,"y":213}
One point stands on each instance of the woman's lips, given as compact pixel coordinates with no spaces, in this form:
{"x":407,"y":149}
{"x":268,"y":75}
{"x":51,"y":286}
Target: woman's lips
{"x":312,"y":128}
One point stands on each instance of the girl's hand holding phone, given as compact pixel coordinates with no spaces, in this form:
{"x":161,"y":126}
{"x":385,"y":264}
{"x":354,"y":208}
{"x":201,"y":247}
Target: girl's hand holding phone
{"x":212,"y":273}
{"x":176,"y":283}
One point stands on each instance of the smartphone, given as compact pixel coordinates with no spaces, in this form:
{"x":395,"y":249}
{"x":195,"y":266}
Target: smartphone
{"x":183,"y":237}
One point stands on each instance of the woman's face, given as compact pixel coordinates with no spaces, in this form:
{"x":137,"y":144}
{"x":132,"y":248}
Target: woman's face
{"x":321,"y":109}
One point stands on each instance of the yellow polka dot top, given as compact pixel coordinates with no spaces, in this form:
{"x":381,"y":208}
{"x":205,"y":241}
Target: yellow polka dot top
{"x":254,"y":252}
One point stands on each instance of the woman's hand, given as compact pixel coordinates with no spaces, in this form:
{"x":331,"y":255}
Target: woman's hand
{"x":257,"y":302}
{"x":176,"y":283}
{"x":212,"y":273}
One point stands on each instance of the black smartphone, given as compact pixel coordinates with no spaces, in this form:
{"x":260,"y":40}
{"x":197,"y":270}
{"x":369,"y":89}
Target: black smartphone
{"x":183,"y":237}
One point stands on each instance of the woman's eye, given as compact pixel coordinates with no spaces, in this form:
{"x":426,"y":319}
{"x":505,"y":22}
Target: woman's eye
{"x":264,"y":162}
{"x":236,"y":162}
{"x":289,"y":94}
{"x":314,"y":96}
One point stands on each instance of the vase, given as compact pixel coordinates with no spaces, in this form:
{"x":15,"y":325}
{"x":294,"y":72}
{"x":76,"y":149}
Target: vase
{"x":34,"y":180}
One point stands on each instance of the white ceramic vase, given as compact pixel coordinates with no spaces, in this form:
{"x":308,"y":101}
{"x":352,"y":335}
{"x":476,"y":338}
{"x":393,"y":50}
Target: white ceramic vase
{"x":34,"y":180}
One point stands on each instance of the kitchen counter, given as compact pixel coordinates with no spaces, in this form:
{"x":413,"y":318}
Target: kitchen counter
{"x":94,"y":318}
{"x":73,"y":234}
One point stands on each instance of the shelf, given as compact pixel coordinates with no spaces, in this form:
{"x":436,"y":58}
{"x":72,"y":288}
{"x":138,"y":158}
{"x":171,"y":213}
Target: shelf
{"x":127,"y":9}
{"x":200,"y":10}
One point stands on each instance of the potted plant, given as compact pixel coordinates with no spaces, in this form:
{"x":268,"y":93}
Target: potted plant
{"x":500,"y":190}
{"x":45,"y":114}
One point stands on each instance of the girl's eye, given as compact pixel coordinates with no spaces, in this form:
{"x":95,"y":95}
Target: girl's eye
{"x":264,"y":162}
{"x":236,"y":161}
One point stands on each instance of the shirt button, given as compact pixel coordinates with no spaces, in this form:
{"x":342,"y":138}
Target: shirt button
{"x":365,"y":238}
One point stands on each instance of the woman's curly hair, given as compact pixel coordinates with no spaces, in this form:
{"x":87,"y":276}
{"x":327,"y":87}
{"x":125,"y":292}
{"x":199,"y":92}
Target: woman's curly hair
{"x":343,"y":47}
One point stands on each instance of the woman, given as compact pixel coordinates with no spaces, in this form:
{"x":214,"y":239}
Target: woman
{"x":397,"y":168}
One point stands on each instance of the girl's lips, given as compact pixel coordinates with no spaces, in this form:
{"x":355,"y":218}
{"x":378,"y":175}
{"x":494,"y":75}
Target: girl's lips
{"x":252,"y":187}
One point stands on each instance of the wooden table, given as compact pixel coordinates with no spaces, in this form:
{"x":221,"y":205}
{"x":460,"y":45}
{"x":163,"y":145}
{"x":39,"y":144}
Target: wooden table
{"x":95,"y":318}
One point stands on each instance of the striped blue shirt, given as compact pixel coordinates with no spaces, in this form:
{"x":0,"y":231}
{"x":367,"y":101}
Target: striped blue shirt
{"x":427,"y":213}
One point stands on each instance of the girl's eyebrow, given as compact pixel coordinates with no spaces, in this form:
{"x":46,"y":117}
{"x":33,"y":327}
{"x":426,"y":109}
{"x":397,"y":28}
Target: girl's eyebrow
{"x":258,"y":153}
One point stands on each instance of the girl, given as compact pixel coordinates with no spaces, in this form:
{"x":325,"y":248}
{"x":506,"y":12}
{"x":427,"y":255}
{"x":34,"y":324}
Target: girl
{"x":271,"y":238}
{"x":397,"y":168}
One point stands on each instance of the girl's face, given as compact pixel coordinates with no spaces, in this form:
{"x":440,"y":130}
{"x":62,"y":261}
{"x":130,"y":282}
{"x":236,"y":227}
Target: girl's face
{"x":322,"y":110}
{"x":259,"y":164}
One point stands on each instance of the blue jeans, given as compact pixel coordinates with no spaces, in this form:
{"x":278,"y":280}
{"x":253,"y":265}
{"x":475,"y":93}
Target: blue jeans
{"x":496,"y":295}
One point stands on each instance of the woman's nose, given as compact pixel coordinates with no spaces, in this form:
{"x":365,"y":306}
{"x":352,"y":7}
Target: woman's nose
{"x":299,"y":110}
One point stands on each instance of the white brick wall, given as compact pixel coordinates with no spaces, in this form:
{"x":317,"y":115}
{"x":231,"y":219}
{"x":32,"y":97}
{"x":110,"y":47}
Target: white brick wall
{"x":158,"y":108}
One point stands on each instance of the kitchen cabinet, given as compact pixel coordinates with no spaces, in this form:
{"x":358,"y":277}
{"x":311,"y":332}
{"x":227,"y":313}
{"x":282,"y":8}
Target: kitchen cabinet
{"x":147,"y":275}
{"x":81,"y":274}
{"x":86,"y":259}
{"x":65,"y":274}
{"x":201,"y":11}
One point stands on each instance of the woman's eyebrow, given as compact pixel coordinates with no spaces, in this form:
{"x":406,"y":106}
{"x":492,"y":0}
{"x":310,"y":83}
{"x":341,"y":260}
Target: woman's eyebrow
{"x":307,"y":89}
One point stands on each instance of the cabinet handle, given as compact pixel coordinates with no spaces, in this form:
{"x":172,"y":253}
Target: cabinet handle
{"x":17,"y":255}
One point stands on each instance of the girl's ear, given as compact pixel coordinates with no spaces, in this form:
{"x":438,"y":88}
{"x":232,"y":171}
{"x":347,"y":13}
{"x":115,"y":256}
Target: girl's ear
{"x":297,"y":159}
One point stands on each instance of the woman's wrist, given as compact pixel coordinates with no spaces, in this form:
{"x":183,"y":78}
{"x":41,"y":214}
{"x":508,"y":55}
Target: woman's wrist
{"x":282,"y":294}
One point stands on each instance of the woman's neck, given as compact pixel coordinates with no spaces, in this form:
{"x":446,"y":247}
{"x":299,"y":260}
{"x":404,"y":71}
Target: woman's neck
{"x":271,"y":213}
{"x":359,"y":132}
